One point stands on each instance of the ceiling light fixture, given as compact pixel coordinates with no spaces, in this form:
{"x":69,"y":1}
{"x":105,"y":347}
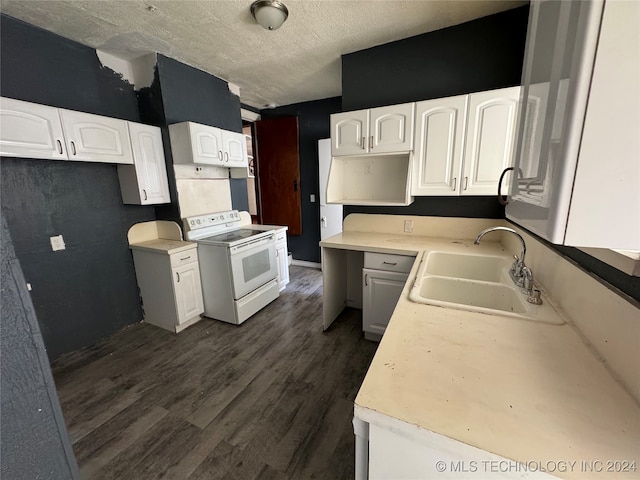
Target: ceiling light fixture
{"x":270,"y":14}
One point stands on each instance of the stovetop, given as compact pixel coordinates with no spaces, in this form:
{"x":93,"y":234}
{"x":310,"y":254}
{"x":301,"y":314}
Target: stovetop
{"x":235,"y":235}
{"x":220,"y":228}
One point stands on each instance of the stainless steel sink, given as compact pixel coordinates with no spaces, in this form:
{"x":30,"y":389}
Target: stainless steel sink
{"x":478,"y":283}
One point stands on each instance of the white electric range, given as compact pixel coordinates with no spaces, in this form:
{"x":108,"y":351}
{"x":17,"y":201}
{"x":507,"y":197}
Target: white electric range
{"x":237,"y":265}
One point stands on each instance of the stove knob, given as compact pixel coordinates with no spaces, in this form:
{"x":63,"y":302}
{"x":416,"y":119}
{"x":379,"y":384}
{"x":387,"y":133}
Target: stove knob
{"x":198,"y":221}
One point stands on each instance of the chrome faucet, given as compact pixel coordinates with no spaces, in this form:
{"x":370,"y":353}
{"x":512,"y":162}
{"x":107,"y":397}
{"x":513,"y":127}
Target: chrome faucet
{"x":516,"y":272}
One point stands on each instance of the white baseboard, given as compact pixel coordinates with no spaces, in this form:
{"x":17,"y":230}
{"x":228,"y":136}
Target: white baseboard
{"x":302,"y":263}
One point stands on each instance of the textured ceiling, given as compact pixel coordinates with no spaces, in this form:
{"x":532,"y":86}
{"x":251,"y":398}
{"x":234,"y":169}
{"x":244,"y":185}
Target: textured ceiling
{"x":298,"y":62}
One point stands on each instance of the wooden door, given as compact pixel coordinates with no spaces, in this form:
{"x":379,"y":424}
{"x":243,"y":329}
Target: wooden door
{"x":279,"y":173}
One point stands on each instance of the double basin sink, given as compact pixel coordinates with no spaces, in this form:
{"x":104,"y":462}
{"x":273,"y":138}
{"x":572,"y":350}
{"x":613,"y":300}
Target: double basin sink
{"x":478,"y":283}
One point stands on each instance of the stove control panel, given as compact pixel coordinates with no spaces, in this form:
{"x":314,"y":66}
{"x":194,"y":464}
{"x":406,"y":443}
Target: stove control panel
{"x":212,"y":219}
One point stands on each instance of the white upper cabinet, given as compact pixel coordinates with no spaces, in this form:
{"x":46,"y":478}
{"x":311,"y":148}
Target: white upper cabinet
{"x":377,"y":130}
{"x":94,"y":138}
{"x":30,"y":130}
{"x":201,"y":144}
{"x":490,"y":139}
{"x":349,"y":133}
{"x":578,"y":178}
{"x":195,"y":143}
{"x":463,"y":143}
{"x":234,"y":149}
{"x":391,"y":128}
{"x":439,"y":137}
{"x":145,"y":182}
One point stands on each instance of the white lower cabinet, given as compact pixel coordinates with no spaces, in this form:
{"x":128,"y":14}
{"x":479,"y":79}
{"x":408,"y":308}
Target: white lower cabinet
{"x":383,"y":278}
{"x":401,"y":451}
{"x":282,"y":258}
{"x":187,"y":292}
{"x":145,"y":182}
{"x":170,"y":287}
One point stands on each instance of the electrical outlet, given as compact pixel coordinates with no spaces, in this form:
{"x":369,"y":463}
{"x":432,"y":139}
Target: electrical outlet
{"x":57,"y":243}
{"x":408,"y":226}
{"x":312,"y":198}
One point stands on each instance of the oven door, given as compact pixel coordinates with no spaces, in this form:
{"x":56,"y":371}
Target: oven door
{"x":253,"y":264}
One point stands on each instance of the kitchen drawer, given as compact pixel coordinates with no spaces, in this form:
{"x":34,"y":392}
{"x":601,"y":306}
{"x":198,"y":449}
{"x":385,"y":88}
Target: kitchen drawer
{"x":281,"y":236}
{"x":183,"y":258}
{"x":388,"y":262}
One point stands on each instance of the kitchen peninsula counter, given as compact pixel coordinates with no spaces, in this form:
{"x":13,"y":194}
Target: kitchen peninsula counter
{"x":472,"y":383}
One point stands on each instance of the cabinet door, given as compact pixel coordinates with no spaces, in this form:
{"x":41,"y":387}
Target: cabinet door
{"x":381,"y":291}
{"x":282,"y":259}
{"x":206,"y":144}
{"x":146,"y":182}
{"x":30,"y":130}
{"x":188,"y":292}
{"x":235,"y":149}
{"x":391,"y":128}
{"x":490,"y":139}
{"x":349,"y":133}
{"x":439,"y":136}
{"x":93,"y":138}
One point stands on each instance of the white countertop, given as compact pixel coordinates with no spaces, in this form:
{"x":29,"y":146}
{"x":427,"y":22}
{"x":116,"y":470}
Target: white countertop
{"x":522,"y":390}
{"x":164,"y":246}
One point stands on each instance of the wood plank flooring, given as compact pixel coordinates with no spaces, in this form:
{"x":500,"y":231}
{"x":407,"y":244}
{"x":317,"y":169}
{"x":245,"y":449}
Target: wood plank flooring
{"x":269,"y":399}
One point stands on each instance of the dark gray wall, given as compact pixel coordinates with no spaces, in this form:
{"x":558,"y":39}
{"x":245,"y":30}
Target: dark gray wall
{"x":181,"y":93}
{"x":87,"y":291}
{"x":483,"y":54}
{"x":313,"y":124}
{"x":35,"y":443}
{"x":479,"y":55}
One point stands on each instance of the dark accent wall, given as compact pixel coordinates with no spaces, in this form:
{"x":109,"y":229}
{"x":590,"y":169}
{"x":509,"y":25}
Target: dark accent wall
{"x":189,"y":94}
{"x":35,"y":443}
{"x":469,"y":207}
{"x":482,"y":54}
{"x":181,"y":93}
{"x":88,"y":291}
{"x":313,"y":124}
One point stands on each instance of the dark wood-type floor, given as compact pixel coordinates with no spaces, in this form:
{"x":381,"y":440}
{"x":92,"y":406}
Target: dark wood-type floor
{"x":269,"y":399}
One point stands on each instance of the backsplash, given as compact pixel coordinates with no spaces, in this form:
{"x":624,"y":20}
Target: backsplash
{"x":607,"y":319}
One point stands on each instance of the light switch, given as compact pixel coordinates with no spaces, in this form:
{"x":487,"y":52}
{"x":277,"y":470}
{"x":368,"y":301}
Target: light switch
{"x":57,"y":243}
{"x":312,"y":198}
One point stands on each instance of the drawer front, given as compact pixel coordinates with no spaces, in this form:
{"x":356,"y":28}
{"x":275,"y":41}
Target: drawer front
{"x":183,"y":258}
{"x":388,"y":262}
{"x":281,"y":237}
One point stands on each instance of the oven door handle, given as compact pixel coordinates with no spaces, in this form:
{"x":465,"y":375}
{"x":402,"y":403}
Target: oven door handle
{"x":253,"y":243}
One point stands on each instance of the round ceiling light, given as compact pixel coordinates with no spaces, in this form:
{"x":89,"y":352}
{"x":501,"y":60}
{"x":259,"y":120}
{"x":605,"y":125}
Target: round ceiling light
{"x":270,"y":14}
